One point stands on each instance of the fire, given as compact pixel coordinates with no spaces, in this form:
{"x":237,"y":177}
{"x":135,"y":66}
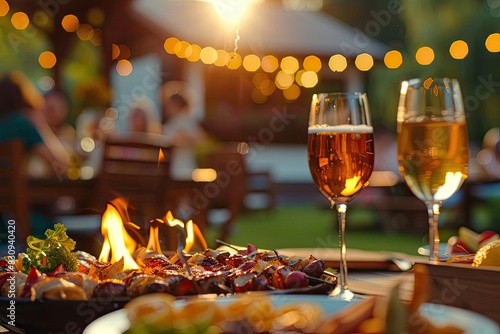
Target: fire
{"x":191,"y":231}
{"x":161,"y":156}
{"x":118,"y":243}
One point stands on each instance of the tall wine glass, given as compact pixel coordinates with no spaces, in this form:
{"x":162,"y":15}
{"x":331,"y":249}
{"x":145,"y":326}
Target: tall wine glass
{"x":340,"y":155}
{"x":433,"y":150}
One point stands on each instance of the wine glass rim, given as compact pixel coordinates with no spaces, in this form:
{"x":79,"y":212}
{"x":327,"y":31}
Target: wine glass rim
{"x":343,"y":94}
{"x":440,"y":81}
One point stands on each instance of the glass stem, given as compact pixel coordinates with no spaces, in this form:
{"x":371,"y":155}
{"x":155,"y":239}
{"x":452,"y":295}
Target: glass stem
{"x":341,"y":212}
{"x":433,"y":214}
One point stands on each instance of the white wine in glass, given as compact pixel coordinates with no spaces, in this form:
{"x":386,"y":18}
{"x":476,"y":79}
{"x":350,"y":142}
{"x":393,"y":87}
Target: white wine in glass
{"x":433,"y":152}
{"x":340,"y":156}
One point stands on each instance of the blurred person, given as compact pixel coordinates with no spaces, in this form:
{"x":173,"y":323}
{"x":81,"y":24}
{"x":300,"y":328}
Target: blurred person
{"x":21,"y":118}
{"x":144,"y":117}
{"x":181,"y":129}
{"x":56,"y":112}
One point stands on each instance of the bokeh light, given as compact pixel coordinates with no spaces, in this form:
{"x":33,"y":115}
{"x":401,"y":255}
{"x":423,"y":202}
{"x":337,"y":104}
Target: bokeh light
{"x":46,"y":84}
{"x":20,"y":20}
{"x":169,"y":45}
{"x":337,"y":63}
{"x":393,"y":59}
{"x":289,"y":64}
{"x":208,"y":55}
{"x":262,"y":82}
{"x":4,"y":7}
{"x":251,"y":63}
{"x":47,"y":59}
{"x":309,"y":79}
{"x":364,"y":62}
{"x":459,"y":49}
{"x":292,"y":93}
{"x":96,"y":38}
{"x":270,"y":63}
{"x":312,"y":63}
{"x":124,"y":51}
{"x":70,"y":23}
{"x":193,"y":52}
{"x":87,"y":172}
{"x":235,"y":61}
{"x":424,"y":55}
{"x":180,"y":49}
{"x":492,"y":42}
{"x":222,"y":58}
{"x":115,"y":51}
{"x":258,"y":78}
{"x":87,"y":144}
{"x":267,"y":87}
{"x":84,"y":32}
{"x":124,"y":67}
{"x":283,"y":80}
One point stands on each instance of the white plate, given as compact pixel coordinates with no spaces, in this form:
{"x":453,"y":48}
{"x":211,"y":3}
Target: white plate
{"x":117,"y":323}
{"x":470,"y":322}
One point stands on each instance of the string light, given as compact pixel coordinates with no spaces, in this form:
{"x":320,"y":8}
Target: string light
{"x":284,"y":79}
{"x":459,"y":49}
{"x":424,"y":55}
{"x":393,"y":59}
{"x":492,"y":42}
{"x":47,"y":59}
{"x":20,"y":20}
{"x":4,"y":7}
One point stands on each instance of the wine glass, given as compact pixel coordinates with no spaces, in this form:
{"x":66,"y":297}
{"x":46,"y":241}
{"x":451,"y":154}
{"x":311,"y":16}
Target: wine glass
{"x":340,"y":155}
{"x":433,"y":150}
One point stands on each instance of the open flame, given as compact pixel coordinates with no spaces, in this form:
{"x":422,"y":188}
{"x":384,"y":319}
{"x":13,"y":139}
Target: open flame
{"x":118,"y":243}
{"x":192,"y":231}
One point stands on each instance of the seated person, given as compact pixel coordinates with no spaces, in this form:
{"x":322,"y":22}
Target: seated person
{"x":144,"y":117}
{"x":56,"y":112}
{"x":20,"y":118}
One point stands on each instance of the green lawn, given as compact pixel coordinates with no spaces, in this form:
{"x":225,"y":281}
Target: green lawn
{"x":314,"y":227}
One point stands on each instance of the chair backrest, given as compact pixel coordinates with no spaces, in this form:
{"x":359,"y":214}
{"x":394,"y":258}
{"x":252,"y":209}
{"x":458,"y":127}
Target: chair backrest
{"x":228,"y":190}
{"x":13,"y":186}
{"x":137,"y":169}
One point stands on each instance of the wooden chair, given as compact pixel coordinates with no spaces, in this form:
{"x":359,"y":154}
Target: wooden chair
{"x":13,"y":187}
{"x":228,"y":190}
{"x":137,"y":169}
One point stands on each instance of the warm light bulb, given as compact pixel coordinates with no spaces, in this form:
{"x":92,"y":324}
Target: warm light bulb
{"x":393,"y":59}
{"x":459,"y":49}
{"x":424,"y":55}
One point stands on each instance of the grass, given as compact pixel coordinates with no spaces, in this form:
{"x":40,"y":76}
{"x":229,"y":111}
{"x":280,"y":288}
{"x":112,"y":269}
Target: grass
{"x":311,"y":227}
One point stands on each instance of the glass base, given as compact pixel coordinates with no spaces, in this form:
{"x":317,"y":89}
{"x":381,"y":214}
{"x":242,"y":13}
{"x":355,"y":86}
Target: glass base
{"x":344,"y":294}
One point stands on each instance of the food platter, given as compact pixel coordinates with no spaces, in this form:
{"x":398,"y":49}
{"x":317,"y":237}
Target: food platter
{"x":77,"y":314}
{"x":117,"y":322}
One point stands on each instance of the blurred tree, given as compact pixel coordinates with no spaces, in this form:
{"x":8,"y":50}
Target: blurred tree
{"x":81,"y":60}
{"x":19,"y":49}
